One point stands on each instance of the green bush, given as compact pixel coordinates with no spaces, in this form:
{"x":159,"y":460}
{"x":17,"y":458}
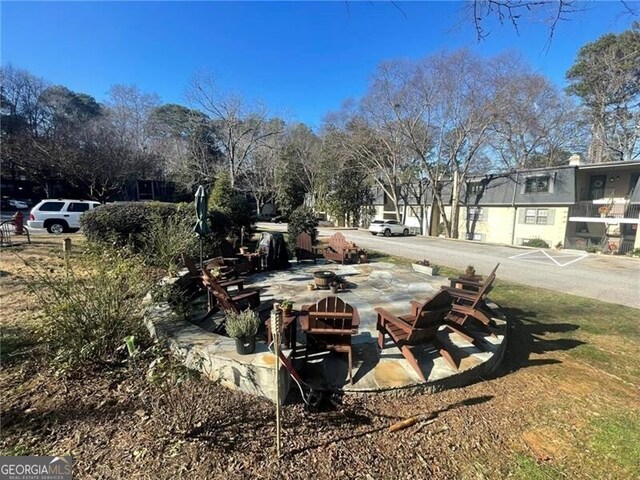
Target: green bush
{"x":536,"y":242}
{"x":230,"y":201}
{"x":634,"y":253}
{"x":160,"y":232}
{"x":126,"y":223}
{"x":302,"y":219}
{"x":89,"y":312}
{"x":166,"y":239}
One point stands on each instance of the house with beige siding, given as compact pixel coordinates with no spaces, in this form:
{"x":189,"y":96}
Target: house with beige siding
{"x":576,"y":205}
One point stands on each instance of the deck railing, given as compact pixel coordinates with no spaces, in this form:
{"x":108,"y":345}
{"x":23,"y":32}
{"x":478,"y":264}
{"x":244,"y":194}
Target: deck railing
{"x":618,"y":210}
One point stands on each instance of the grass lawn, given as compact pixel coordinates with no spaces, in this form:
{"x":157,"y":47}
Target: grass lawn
{"x":564,"y":404}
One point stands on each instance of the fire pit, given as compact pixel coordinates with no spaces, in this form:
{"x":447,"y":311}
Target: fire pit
{"x":323,"y":278}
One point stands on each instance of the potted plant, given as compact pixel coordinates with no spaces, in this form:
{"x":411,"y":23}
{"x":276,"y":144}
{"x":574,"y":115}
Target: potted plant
{"x":342,"y":282}
{"x":286,"y":306}
{"x":333,"y":286}
{"x":243,"y":326}
{"x":426,"y":267}
{"x":362,"y":256}
{"x":470,"y":271}
{"x":603,"y":211}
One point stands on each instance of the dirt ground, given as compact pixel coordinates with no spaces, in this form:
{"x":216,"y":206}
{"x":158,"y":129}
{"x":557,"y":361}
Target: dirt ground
{"x":547,"y":413}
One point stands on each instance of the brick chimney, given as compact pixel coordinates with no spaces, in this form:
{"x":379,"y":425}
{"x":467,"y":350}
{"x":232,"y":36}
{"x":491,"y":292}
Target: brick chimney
{"x":575,"y":160}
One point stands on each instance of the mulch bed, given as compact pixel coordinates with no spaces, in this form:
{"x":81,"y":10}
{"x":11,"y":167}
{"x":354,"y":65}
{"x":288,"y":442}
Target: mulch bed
{"x":117,"y":425}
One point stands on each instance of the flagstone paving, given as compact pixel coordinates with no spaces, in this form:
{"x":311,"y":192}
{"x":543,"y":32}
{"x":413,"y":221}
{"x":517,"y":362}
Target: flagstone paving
{"x":370,"y":285}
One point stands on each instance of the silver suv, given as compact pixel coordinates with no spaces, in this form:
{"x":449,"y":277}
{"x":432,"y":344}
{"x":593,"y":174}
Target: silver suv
{"x":59,"y":215}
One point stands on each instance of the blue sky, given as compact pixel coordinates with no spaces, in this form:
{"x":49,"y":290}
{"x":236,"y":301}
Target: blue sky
{"x":303,"y":59}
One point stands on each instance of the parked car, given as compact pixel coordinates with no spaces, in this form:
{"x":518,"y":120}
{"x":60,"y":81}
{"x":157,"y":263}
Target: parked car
{"x":59,"y":215}
{"x":388,"y":228}
{"x":18,"y":204}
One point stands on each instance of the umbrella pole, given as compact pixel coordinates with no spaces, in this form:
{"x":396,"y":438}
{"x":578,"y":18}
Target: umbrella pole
{"x":201,"y":259}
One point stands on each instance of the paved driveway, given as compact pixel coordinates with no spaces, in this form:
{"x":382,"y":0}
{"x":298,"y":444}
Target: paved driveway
{"x":607,"y":278}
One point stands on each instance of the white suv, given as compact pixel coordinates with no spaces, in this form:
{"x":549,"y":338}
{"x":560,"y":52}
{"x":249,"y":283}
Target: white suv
{"x":60,"y":215}
{"x":388,"y":228}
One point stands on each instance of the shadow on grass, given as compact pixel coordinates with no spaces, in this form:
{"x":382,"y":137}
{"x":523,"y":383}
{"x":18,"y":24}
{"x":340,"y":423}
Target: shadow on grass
{"x":528,"y":336}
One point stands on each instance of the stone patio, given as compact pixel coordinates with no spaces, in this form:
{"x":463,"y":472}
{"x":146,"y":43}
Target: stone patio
{"x":371,"y":285}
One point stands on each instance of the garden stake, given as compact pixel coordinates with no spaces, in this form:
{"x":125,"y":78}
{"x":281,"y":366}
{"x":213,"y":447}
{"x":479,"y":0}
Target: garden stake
{"x":66,"y":248}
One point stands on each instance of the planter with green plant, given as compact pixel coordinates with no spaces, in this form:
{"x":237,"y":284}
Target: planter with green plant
{"x":426,"y":267}
{"x":286,"y":306}
{"x":243,"y":326}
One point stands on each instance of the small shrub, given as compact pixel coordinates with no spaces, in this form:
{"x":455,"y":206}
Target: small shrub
{"x":243,"y":324}
{"x":302,"y":219}
{"x":167,"y":239}
{"x":175,"y":400}
{"x":559,"y":246}
{"x":536,"y":243}
{"x":426,"y":263}
{"x":634,"y":253}
{"x":88,"y":314}
{"x":592,"y":249}
{"x":440,"y":230}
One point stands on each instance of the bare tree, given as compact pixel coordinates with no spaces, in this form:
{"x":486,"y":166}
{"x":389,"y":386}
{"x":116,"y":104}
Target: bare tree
{"x":260,"y":172}
{"x":241,"y":128}
{"x":129,"y":110}
{"x":186,"y":141}
{"x":536,"y":124}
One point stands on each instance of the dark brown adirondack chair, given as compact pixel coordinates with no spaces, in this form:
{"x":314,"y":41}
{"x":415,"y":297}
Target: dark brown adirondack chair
{"x":304,"y":248}
{"x":329,"y":324}
{"x":339,"y":250}
{"x":469,"y":285}
{"x":224,"y":281}
{"x":229,"y":301}
{"x":418,"y":328}
{"x":474,"y":295}
{"x":224,"y":266}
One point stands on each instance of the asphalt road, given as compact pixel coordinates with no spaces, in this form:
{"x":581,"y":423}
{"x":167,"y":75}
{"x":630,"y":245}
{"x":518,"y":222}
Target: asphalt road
{"x":608,"y":278}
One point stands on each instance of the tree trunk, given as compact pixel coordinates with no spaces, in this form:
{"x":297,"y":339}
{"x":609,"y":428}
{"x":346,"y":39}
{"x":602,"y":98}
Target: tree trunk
{"x":455,"y":202}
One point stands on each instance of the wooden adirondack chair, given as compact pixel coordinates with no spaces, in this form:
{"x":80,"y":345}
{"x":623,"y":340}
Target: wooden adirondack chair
{"x":304,"y":248}
{"x":475,"y":300}
{"x":417,"y":328}
{"x":463,"y":283}
{"x":224,"y":281}
{"x":329,"y":324}
{"x":339,"y":250}
{"x":217,"y":293}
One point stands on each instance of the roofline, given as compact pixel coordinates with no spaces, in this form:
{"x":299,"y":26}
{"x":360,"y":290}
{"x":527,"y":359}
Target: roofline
{"x":628,"y":163}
